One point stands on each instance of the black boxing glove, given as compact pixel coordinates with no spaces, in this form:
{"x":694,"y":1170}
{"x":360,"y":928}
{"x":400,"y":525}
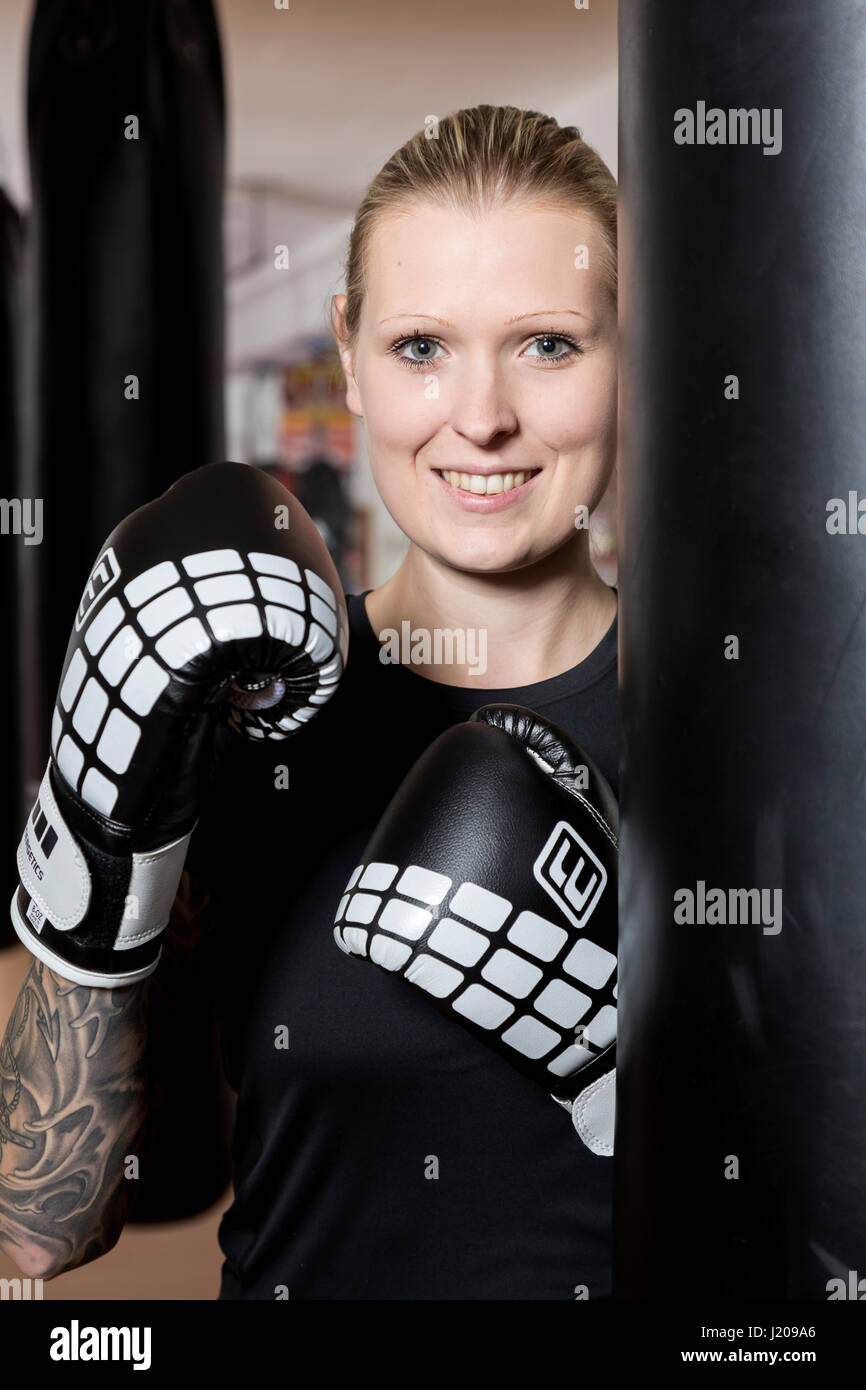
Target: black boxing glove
{"x":491,"y":884}
{"x":217,"y":601}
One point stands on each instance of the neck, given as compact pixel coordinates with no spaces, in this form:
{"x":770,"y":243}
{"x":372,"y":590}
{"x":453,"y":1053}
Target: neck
{"x":526,"y":626}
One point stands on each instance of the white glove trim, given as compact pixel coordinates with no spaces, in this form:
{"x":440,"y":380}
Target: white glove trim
{"x":61,"y":967}
{"x":594,"y":1112}
{"x":152,"y":888}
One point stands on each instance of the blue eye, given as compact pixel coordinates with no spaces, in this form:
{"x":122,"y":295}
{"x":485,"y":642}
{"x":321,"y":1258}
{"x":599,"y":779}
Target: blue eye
{"x":420,"y":340}
{"x":427,"y":345}
{"x":573,"y":349}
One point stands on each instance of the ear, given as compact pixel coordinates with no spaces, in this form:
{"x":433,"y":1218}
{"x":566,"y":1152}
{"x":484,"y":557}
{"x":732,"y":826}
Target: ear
{"x":338,"y":328}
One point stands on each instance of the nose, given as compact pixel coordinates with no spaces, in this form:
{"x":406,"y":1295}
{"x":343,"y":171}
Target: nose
{"x":481,"y":407}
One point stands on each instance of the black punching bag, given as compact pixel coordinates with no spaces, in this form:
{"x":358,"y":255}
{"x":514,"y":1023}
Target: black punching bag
{"x":125,"y":113}
{"x":125,"y":117}
{"x":18,"y":530}
{"x":740,"y":1165}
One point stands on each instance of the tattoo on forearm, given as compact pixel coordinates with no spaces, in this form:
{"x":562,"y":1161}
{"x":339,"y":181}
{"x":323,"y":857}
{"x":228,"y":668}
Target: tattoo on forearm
{"x":73,"y":1104}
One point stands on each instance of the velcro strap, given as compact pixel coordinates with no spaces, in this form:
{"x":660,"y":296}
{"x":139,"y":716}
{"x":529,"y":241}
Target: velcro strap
{"x":55,"y":873}
{"x":51,"y":864}
{"x":152,"y":888}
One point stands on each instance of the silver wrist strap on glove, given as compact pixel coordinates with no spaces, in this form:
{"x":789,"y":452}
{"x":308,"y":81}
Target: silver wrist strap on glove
{"x":593,"y":1114}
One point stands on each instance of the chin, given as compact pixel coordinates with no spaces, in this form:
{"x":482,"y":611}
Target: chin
{"x":470,"y":562}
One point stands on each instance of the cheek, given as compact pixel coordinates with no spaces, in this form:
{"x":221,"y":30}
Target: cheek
{"x":568,"y":418}
{"x":392,"y":447}
{"x":398,"y":415}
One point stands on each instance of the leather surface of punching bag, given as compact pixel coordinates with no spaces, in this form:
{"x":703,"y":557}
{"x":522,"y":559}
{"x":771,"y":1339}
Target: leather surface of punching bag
{"x":125,"y":113}
{"x":740,"y":1167}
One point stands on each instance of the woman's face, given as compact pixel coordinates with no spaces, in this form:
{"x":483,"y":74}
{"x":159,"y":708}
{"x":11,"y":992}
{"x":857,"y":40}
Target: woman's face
{"x":485,"y":372}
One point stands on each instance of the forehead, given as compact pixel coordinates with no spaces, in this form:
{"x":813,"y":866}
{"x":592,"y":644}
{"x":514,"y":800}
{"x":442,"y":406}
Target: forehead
{"x":499,"y":256}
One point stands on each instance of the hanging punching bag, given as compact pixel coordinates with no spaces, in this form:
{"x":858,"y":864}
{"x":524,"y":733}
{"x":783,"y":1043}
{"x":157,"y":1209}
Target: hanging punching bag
{"x":741,"y":1133}
{"x":125,"y":117}
{"x":125,"y":114}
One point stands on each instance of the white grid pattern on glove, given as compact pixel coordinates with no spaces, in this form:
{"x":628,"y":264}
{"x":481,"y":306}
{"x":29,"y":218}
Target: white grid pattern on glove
{"x":133,"y":644}
{"x":382,"y":915}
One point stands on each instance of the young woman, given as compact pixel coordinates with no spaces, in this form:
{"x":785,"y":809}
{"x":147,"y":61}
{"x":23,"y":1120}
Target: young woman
{"x":381,"y":1152}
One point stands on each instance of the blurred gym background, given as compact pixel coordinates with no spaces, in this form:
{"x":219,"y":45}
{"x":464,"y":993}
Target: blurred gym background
{"x":177,"y":185}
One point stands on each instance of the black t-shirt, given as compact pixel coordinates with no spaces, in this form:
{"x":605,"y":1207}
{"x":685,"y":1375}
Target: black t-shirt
{"x":384,"y":1152}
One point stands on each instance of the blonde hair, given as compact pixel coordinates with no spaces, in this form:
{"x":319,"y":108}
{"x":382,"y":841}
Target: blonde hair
{"x":480,"y":156}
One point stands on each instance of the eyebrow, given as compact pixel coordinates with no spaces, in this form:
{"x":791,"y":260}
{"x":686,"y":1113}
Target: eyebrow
{"x":533,"y":314}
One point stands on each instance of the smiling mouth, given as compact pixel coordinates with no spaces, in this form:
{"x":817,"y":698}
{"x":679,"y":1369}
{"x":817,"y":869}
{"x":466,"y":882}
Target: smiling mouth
{"x":484,"y":485}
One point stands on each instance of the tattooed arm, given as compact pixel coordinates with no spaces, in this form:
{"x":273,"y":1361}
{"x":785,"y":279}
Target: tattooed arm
{"x":79,"y":1070}
{"x":73,"y":1105}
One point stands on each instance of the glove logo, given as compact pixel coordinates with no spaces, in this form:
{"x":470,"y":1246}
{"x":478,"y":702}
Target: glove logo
{"x":568,"y":870}
{"x":105,"y":572}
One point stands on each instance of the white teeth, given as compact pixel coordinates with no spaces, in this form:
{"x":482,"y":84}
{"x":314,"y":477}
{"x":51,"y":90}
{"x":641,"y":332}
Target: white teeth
{"x":485,"y":486}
